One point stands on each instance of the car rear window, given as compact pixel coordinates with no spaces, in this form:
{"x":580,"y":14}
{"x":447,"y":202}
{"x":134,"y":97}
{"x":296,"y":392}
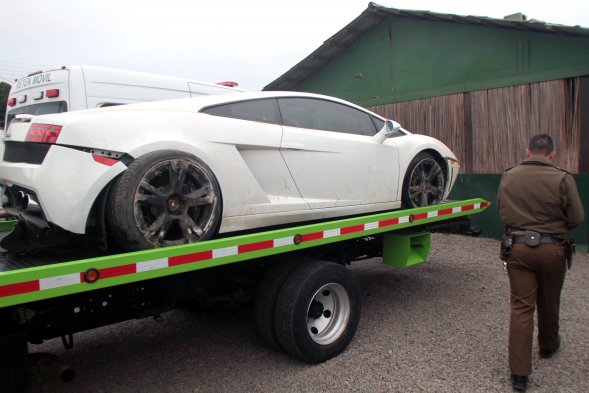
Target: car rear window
{"x":264,"y":111}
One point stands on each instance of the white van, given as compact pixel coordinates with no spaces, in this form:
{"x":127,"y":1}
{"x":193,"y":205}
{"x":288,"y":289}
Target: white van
{"x":72,"y":88}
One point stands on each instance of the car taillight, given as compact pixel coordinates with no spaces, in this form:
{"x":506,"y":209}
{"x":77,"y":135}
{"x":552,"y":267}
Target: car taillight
{"x":228,"y":84}
{"x":104,"y":160}
{"x":12,"y":101}
{"x":43,"y":133}
{"x":52,"y":93}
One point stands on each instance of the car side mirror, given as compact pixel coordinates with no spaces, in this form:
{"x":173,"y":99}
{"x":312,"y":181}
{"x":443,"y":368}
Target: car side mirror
{"x":388,"y":130}
{"x":390,"y":127}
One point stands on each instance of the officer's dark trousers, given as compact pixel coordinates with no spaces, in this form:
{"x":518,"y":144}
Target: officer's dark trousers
{"x":536,"y":276}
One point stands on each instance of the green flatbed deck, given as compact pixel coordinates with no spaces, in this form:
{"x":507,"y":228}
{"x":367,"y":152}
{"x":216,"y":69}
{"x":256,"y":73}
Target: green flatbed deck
{"x":24,"y":280}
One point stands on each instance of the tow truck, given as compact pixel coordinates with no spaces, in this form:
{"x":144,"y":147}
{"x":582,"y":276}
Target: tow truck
{"x":305,"y":301}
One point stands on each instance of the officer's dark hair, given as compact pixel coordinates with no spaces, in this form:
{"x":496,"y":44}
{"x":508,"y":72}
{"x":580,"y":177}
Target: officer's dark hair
{"x":541,"y":144}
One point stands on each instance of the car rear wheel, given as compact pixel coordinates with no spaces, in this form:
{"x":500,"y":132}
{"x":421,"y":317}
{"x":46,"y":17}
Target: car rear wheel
{"x":424,"y":183}
{"x":164,"y":198}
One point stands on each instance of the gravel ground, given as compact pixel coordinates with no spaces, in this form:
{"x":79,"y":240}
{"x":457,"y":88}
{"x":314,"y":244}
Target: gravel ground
{"x":437,"y":327}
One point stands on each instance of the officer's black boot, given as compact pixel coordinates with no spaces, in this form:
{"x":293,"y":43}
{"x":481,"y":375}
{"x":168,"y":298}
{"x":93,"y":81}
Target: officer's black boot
{"x":519,"y":382}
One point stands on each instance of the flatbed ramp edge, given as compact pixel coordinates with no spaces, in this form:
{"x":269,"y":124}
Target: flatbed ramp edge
{"x":53,"y":280}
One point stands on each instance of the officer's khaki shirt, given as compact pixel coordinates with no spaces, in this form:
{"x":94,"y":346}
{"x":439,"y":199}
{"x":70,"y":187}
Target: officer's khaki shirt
{"x":539,"y":196}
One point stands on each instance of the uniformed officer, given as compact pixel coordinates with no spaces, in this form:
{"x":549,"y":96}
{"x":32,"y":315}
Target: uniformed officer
{"x":538,"y":203}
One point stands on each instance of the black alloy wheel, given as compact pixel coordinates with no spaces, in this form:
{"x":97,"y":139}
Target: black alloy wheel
{"x":163,"y":199}
{"x":424,"y":183}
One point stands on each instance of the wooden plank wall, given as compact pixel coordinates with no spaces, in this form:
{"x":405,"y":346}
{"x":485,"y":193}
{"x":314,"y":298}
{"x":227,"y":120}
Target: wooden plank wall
{"x":489,"y":129}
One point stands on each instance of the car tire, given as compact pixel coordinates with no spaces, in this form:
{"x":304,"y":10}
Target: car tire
{"x":424,"y":183}
{"x":317,"y":311}
{"x":164,"y":198}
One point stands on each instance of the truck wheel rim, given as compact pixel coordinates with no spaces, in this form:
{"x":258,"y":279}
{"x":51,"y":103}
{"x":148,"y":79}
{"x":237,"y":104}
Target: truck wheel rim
{"x":426,"y":183}
{"x":328,"y":314}
{"x":174,"y":203}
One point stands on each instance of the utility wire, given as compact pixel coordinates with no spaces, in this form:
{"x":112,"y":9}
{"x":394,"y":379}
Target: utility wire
{"x":8,"y":72}
{"x":19,"y":71}
{"x":15,"y":63}
{"x":8,"y":81}
{"x":14,"y":70}
{"x":11,"y":67}
{"x":11,"y":76}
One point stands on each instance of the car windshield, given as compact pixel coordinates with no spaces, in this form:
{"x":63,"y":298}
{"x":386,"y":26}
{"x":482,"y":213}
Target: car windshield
{"x":37,"y":109}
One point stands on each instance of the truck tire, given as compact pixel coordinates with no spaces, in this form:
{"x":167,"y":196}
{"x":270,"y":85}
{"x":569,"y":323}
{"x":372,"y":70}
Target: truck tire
{"x":317,"y":311}
{"x":164,"y":198}
{"x":265,"y":298}
{"x":14,"y":363}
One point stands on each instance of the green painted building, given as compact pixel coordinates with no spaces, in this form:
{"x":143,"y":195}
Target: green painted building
{"x":483,"y":86}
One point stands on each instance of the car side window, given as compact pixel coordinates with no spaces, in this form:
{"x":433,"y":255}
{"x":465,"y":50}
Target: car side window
{"x":255,"y":110}
{"x":378,"y":123}
{"x":325,"y":115}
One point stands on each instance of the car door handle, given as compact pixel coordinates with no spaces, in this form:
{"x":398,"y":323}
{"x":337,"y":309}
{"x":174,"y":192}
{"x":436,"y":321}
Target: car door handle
{"x":293,"y":146}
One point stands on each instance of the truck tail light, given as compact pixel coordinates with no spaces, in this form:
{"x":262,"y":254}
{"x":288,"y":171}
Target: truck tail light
{"x":43,"y":133}
{"x":12,"y":101}
{"x":52,"y":93}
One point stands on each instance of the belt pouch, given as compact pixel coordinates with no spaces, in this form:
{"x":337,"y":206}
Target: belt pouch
{"x":532,"y":238}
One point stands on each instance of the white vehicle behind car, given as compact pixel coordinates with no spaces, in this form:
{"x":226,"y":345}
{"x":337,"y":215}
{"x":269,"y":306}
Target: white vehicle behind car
{"x":72,"y":88}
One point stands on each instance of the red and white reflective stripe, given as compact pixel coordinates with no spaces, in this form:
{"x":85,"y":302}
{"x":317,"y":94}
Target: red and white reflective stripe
{"x":283,"y":241}
{"x":225,"y":252}
{"x":59,"y":281}
{"x":19,"y":288}
{"x":371,"y":225}
{"x":155,"y":264}
{"x":40,"y":285}
{"x":208,"y":255}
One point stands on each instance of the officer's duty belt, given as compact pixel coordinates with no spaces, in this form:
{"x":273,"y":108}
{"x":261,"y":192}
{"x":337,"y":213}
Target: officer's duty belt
{"x":544,"y":239}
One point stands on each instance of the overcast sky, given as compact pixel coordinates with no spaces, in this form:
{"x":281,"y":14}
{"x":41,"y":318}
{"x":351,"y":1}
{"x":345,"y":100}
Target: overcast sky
{"x":251,"y":42}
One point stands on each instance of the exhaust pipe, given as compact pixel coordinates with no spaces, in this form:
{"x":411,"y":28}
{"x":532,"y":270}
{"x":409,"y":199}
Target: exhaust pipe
{"x":42,"y":359}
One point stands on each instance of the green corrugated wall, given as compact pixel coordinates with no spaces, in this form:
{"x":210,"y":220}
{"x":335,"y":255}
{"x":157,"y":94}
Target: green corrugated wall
{"x":404,"y":59}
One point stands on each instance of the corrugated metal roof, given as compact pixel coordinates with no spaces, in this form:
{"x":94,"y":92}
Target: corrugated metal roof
{"x":375,"y":14}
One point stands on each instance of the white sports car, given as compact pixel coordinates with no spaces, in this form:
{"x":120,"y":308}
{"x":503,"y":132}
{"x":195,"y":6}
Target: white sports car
{"x":180,"y":171}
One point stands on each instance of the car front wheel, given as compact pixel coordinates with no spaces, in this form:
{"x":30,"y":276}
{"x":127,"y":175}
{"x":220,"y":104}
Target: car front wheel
{"x":424,"y":183}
